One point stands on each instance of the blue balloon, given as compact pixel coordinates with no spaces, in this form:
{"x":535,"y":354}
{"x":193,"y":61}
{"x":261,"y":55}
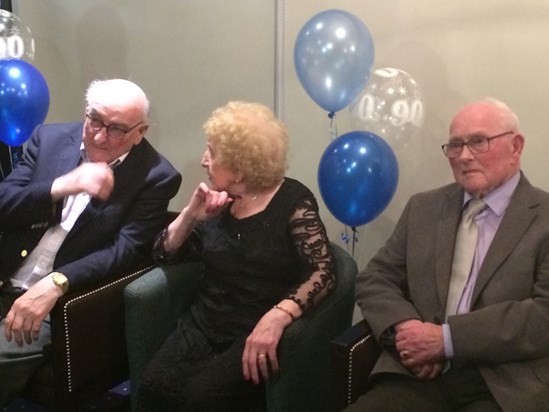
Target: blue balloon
{"x":24,"y":100}
{"x":333,"y":57}
{"x":357,"y":177}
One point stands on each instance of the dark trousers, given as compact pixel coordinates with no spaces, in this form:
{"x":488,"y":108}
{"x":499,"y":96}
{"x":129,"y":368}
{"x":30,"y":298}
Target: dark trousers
{"x":459,"y":389}
{"x":192,"y":375}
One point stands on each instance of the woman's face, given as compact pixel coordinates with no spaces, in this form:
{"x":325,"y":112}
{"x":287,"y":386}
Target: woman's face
{"x":220,"y":176}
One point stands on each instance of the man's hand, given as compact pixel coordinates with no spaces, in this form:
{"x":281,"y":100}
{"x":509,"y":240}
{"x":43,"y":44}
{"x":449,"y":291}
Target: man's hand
{"x":420,"y":346}
{"x":427,"y":371}
{"x":25,"y":317}
{"x":95,"y":179}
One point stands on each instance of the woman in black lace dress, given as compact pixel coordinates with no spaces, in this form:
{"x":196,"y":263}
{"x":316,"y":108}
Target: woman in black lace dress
{"x":267,"y":262}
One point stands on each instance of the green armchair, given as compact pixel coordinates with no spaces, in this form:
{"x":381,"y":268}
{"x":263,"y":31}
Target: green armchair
{"x":155,"y":300}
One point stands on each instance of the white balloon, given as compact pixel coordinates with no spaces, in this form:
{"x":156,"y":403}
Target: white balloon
{"x":16,"y":40}
{"x":390,"y":106}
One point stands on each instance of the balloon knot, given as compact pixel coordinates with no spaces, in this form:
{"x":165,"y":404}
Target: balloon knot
{"x":331,"y":115}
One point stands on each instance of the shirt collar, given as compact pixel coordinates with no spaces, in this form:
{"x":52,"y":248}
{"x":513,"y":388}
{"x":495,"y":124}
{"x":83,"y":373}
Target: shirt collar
{"x":499,"y":198}
{"x":113,"y":164}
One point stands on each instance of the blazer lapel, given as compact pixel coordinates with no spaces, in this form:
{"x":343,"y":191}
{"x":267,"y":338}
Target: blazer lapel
{"x":520,"y":214}
{"x":69,"y":154}
{"x":446,"y":236}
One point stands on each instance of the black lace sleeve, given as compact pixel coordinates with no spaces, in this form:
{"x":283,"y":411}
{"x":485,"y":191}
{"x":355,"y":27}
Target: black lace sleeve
{"x":190,"y":250}
{"x":312,"y":245}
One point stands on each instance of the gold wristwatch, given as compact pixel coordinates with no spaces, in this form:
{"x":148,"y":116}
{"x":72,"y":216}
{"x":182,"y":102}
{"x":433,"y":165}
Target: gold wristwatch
{"x":60,"y":280}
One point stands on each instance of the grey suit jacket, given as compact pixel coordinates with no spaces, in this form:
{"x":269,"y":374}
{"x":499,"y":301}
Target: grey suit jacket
{"x":506,"y":334}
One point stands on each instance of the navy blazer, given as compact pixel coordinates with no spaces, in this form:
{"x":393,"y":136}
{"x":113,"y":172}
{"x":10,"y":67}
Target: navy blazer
{"x":109,"y":236}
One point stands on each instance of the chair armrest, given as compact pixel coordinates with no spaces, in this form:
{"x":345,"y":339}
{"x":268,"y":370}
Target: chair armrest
{"x":88,"y":341}
{"x":304,"y":349}
{"x":353,"y":356}
{"x":153,"y":304}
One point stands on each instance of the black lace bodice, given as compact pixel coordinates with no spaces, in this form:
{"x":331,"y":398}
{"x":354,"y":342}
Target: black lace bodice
{"x":254,"y":262}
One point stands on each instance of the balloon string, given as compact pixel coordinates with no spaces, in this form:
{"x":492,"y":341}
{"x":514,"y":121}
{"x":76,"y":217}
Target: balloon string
{"x":355,"y":240}
{"x":345,"y":238}
{"x":333,"y":125}
{"x":11,"y":158}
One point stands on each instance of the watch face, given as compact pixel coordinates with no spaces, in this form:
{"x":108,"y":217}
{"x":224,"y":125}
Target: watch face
{"x":60,"y":280}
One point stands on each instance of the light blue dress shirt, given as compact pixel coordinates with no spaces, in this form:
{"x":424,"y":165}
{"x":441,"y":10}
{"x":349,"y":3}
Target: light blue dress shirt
{"x":488,"y":222}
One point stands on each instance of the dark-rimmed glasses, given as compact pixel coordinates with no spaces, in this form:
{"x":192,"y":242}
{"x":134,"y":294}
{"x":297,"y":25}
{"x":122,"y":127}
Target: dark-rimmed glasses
{"x":114,"y":131}
{"x":475,"y":143}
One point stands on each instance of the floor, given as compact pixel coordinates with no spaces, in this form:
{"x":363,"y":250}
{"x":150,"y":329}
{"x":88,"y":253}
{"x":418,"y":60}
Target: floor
{"x":116,"y":400}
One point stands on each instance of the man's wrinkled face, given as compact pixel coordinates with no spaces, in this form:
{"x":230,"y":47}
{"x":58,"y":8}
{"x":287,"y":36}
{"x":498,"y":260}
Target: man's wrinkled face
{"x":480,"y":173}
{"x":109,"y":132}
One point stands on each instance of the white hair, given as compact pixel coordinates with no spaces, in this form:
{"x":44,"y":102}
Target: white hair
{"x":118,"y":92}
{"x":508,"y":116}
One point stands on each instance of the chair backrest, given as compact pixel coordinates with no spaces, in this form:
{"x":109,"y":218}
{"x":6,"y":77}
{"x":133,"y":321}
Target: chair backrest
{"x":153,"y":304}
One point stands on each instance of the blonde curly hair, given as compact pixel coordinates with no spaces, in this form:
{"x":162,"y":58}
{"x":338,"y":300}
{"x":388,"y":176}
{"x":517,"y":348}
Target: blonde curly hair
{"x":251,"y":141}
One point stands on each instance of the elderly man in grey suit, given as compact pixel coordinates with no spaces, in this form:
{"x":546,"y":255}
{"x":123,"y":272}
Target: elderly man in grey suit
{"x":482,"y":345}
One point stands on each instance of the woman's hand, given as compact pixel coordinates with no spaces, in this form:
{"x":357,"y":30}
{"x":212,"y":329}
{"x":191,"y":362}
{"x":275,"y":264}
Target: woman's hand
{"x":206,"y":203}
{"x":259,"y":359}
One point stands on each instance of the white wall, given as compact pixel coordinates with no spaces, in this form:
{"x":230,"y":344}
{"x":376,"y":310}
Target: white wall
{"x":191,"y":56}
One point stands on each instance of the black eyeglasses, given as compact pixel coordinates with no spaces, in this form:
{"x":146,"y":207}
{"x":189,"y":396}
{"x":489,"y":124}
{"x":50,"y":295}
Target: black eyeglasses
{"x":475,"y":143}
{"x":114,"y":131}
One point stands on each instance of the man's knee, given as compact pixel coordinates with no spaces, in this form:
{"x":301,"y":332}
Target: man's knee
{"x":396,"y":393}
{"x":14,"y":376}
{"x":18,"y":364}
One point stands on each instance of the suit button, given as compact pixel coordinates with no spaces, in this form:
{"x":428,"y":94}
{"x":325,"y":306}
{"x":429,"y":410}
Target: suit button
{"x":24,"y":253}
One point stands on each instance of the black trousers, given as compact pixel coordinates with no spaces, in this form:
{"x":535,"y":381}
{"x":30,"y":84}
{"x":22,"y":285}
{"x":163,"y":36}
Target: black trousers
{"x":192,"y":375}
{"x":459,"y":389}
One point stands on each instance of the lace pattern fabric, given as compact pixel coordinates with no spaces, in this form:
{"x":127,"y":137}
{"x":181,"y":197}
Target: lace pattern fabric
{"x":312,"y":245}
{"x":252,"y":263}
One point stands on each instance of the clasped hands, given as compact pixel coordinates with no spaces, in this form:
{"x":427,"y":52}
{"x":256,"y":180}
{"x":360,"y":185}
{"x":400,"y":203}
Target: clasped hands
{"x":420,"y":346}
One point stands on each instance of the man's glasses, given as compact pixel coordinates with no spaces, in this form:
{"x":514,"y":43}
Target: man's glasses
{"x":475,"y":143}
{"x":114,"y":131}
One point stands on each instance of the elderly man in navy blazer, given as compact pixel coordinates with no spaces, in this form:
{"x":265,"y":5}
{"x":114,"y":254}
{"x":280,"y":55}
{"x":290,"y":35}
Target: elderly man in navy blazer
{"x":84,"y":203}
{"x":489,"y":349}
